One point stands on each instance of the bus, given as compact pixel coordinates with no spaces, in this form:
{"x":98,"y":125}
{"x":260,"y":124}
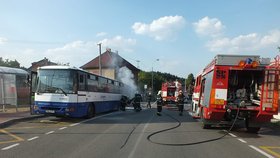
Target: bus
{"x":68,"y":91}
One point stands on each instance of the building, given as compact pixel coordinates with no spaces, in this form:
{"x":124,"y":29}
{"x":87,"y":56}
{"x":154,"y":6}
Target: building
{"x":111,"y":63}
{"x":43,"y":62}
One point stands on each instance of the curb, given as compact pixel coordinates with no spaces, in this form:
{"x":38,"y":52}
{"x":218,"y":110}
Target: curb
{"x":13,"y":121}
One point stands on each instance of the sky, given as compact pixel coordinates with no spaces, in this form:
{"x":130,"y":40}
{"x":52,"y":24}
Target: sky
{"x":174,"y":36}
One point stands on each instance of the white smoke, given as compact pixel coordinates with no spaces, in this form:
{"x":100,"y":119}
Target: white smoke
{"x":126,"y":76}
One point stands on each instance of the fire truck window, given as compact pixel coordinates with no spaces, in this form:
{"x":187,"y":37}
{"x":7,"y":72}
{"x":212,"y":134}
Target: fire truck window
{"x":171,"y":92}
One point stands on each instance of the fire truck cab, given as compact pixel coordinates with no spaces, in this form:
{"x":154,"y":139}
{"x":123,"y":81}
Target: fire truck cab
{"x":170,"y":91}
{"x":245,"y":87}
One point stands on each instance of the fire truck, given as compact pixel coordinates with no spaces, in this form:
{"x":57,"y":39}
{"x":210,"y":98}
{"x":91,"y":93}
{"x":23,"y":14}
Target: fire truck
{"x":170,"y":91}
{"x":243,"y":87}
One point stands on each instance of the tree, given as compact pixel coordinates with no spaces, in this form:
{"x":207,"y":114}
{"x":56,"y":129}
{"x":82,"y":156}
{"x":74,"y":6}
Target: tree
{"x":9,"y":63}
{"x":190,"y":80}
{"x":145,"y":78}
{"x":190,"y":84}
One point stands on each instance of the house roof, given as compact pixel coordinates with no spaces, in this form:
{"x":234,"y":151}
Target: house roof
{"x":109,"y":60}
{"x":43,"y":62}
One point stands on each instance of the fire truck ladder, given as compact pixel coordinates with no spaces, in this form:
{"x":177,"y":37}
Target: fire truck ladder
{"x":269,"y":97}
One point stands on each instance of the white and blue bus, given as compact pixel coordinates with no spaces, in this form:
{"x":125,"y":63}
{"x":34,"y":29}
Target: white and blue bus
{"x":67,"y":91}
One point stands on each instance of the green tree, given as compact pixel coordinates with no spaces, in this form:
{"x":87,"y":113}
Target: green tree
{"x":190,"y":83}
{"x":190,"y":80}
{"x":9,"y":63}
{"x":1,"y":61}
{"x":145,"y":78}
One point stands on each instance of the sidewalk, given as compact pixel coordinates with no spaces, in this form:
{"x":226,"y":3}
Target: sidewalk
{"x":10,"y":116}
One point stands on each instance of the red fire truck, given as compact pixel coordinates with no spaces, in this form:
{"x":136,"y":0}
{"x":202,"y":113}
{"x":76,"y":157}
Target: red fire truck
{"x":246,"y":86}
{"x":170,"y":91}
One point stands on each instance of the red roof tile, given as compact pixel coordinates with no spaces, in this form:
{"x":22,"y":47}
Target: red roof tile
{"x":109,"y":60}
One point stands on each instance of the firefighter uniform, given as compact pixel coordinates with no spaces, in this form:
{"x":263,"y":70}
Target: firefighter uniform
{"x":149,"y":98}
{"x":123,"y":103}
{"x":159,"y":103}
{"x":137,"y":102}
{"x":180,"y":102}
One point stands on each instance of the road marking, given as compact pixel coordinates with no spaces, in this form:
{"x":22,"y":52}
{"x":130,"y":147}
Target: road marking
{"x":131,"y":155}
{"x":50,"y":132}
{"x":11,"y":146}
{"x":16,"y":138}
{"x":113,"y":113}
{"x":62,"y":128}
{"x":32,"y":138}
{"x":260,"y":151}
{"x":241,"y":140}
{"x":45,"y":126}
{"x":232,"y":135}
{"x":75,"y":124}
{"x":269,"y":150}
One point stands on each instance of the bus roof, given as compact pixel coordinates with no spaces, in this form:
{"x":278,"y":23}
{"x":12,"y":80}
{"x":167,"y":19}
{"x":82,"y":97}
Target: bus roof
{"x":59,"y":67}
{"x":9,"y":70}
{"x":65,"y":67}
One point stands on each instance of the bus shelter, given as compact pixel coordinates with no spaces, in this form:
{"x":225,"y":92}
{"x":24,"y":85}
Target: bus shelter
{"x":14,"y":90}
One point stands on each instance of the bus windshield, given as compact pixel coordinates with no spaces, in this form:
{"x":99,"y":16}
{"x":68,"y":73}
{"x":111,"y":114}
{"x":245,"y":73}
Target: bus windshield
{"x":55,"y":81}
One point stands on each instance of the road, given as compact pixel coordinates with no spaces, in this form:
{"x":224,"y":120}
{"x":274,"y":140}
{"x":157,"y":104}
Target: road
{"x":124,"y":134}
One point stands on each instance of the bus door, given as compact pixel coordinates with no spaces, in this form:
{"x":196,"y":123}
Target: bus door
{"x":82,"y":88}
{"x":33,"y":86}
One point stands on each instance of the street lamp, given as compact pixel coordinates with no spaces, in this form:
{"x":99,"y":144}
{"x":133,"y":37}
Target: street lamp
{"x":153,"y":76}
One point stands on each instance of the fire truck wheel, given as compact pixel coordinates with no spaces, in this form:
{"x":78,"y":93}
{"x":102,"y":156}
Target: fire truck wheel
{"x":251,"y":129}
{"x":205,"y":125}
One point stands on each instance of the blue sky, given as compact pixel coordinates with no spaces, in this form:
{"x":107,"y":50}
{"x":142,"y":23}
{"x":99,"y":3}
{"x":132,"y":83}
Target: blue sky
{"x":183,"y":34}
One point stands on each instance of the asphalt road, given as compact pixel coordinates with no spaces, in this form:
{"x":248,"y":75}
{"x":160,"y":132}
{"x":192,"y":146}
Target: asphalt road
{"x":124,"y":134}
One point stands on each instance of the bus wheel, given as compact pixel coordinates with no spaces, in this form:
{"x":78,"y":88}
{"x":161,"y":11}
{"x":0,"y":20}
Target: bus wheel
{"x":205,"y":125}
{"x":90,"y":111}
{"x":251,"y":129}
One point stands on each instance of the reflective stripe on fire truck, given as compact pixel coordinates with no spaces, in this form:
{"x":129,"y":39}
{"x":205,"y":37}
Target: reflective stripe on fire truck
{"x":218,"y":96}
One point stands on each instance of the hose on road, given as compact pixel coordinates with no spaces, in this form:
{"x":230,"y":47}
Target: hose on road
{"x":191,"y":143}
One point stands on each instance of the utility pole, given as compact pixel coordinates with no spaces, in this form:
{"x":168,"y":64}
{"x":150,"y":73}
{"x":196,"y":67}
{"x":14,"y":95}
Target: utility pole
{"x":100,"y":69}
{"x":153,"y":77}
{"x":138,"y":63}
{"x":152,"y":81}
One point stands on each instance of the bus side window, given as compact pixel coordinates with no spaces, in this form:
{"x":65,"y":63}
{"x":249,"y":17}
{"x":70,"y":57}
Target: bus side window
{"x":92,"y":83}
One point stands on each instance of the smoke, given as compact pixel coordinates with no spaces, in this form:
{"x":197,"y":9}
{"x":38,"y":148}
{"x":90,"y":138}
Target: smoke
{"x":126,"y":76}
{"x":116,"y":60}
{"x":123,"y":74}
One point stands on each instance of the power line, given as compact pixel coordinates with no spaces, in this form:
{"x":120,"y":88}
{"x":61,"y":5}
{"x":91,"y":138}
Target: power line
{"x":33,"y":42}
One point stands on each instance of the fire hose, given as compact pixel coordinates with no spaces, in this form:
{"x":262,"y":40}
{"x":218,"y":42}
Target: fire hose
{"x":189,"y":143}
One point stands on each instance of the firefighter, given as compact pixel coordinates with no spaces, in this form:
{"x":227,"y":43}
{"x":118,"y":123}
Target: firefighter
{"x":159,"y":103}
{"x":149,"y":98}
{"x":136,"y":102}
{"x":180,"y":102}
{"x":123,"y":102}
